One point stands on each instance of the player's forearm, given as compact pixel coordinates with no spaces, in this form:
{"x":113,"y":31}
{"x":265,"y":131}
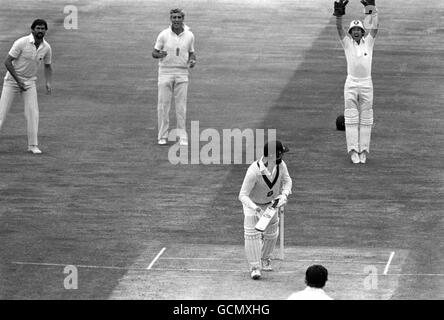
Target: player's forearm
{"x":10,"y":67}
{"x":157,"y":54}
{"x":287,"y":184}
{"x":48,"y":74}
{"x":246,"y":201}
{"x":247,"y":187}
{"x":371,"y":21}
{"x":244,"y":196}
{"x":339,"y":27}
{"x":286,"y":188}
{"x":192,"y":56}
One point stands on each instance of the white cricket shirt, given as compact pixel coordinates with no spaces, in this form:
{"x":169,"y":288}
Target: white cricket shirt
{"x":310,"y":293}
{"x":178,"y":48}
{"x":27,"y":58}
{"x":359,"y":56}
{"x":261,"y":187}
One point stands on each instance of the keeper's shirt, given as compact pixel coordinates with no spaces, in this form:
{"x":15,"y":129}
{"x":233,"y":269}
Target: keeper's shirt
{"x":261,"y":187}
{"x":359,"y":56}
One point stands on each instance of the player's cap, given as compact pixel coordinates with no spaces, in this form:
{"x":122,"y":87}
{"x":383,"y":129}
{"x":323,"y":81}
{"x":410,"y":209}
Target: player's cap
{"x":280,"y":148}
{"x":356,"y":23}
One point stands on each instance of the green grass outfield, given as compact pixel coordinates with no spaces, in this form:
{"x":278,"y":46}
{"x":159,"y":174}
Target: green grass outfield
{"x":104,"y":197}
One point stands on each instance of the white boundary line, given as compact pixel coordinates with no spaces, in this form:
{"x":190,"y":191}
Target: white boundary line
{"x":388,"y":263}
{"x":156,"y":258}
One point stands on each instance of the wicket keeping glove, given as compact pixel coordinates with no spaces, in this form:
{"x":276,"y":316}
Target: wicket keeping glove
{"x":339,"y":8}
{"x":369,"y":6}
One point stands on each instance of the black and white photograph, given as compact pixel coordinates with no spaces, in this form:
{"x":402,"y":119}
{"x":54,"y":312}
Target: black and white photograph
{"x":235,"y":152}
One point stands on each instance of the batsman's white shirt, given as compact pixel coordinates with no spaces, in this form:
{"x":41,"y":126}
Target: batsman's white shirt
{"x":28,"y":59}
{"x":261,"y":186}
{"x":178,"y":48}
{"x":310,"y":293}
{"x":359,"y":56}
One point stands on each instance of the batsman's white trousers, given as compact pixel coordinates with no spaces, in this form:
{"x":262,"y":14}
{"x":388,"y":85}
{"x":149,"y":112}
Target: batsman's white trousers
{"x":170,"y":85}
{"x":358,"y":113}
{"x":259,"y":245}
{"x":9,"y":92}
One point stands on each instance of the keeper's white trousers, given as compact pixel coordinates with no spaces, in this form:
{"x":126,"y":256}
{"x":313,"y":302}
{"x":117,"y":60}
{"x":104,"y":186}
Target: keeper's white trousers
{"x":170,"y":86}
{"x":9,"y":92}
{"x":358,"y":113}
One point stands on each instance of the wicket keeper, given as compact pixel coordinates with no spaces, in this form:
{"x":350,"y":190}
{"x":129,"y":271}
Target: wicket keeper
{"x":358,"y":89}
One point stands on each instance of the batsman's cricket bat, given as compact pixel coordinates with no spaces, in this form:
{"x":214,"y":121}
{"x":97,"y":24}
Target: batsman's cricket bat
{"x":268,"y":214}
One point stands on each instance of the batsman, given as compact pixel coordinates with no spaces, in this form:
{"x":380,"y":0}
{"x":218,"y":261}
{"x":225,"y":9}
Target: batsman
{"x":266,"y":180}
{"x":358,"y":44}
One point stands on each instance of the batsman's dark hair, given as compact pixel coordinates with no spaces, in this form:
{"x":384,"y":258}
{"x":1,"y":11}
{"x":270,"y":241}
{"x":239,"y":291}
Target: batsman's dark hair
{"x":280,"y":148}
{"x":177,"y":10}
{"x":39,"y":22}
{"x":316,"y":276}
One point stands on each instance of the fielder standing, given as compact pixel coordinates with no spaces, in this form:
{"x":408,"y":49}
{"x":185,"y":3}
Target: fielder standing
{"x":22,"y":63}
{"x":266,"y":179}
{"x":175,"y":49}
{"x":358,"y":89}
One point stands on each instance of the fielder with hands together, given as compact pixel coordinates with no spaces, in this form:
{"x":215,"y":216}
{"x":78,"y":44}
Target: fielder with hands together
{"x":22,"y":63}
{"x":266,"y":180}
{"x":174,"y":48}
{"x":358,"y":89}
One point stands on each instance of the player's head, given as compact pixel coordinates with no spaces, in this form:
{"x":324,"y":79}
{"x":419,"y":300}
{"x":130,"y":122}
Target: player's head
{"x":275,"y":150}
{"x":316,"y":276}
{"x":39,"y":28}
{"x":356,"y":30}
{"x":177,"y":16}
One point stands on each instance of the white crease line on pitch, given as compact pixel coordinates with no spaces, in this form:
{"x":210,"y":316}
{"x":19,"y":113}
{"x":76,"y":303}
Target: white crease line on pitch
{"x":286,"y":260}
{"x":42,"y":264}
{"x":388,"y":263}
{"x":156,"y":258}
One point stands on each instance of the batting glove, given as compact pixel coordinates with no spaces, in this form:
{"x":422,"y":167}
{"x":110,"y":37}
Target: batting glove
{"x":282,"y":200}
{"x":258,"y":212}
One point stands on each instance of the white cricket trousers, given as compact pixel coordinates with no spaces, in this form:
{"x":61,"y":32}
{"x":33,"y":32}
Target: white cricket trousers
{"x":259,"y":245}
{"x":358,"y":113}
{"x":170,"y":86}
{"x":9,"y":92}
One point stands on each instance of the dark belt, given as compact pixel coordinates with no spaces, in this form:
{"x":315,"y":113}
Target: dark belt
{"x":262,"y":204}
